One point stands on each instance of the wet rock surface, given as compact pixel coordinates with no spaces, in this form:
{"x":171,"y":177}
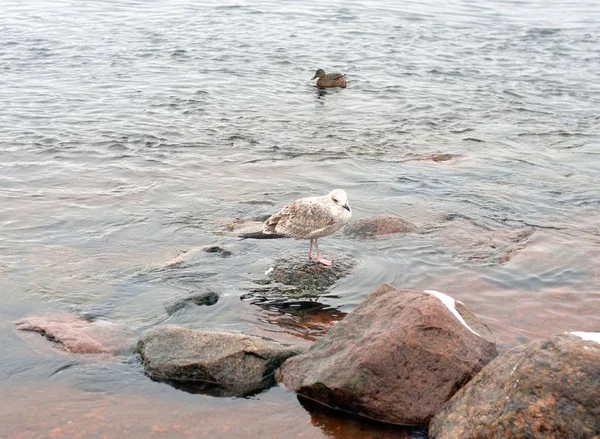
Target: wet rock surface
{"x":79,"y":336}
{"x":377,"y":226}
{"x":305,"y":274}
{"x":289,"y":295}
{"x":547,"y":389}
{"x":192,"y":255}
{"x":296,"y":277}
{"x":219,"y":363}
{"x":197,"y":298}
{"x":440,"y":157}
{"x":396,"y":358}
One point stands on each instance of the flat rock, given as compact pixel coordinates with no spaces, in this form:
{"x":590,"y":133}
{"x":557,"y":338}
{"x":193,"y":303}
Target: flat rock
{"x":198,"y":298}
{"x":377,"y":226}
{"x":79,"y":336}
{"x":396,"y":358}
{"x":237,"y":363}
{"x":547,"y":389}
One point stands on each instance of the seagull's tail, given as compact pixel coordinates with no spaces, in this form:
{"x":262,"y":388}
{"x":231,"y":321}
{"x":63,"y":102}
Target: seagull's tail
{"x":260,"y":235}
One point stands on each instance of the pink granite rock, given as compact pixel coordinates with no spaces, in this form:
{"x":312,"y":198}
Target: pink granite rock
{"x":397,"y":358}
{"x":547,"y":389}
{"x":77,"y":335}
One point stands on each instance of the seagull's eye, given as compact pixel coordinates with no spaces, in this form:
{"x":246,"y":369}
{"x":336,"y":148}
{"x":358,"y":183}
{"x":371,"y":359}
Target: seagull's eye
{"x":335,"y":200}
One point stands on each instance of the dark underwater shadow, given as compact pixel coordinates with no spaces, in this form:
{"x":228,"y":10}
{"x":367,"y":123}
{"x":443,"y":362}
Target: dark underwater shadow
{"x":322,"y":92}
{"x":220,"y":391}
{"x":340,"y":424}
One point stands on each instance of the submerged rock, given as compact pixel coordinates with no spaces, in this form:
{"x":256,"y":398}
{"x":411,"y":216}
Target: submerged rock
{"x":379,"y":225}
{"x":192,"y":254}
{"x":479,"y":243}
{"x":547,"y":389}
{"x":77,"y":335}
{"x":237,"y":363}
{"x":397,"y":358}
{"x":435,"y":157}
{"x":305,"y":274}
{"x":245,"y":225}
{"x":440,"y":157}
{"x":198,"y":298}
{"x":295,"y":277}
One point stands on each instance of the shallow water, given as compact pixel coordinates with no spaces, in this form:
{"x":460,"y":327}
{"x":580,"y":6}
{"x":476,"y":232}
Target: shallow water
{"x":133,"y":130}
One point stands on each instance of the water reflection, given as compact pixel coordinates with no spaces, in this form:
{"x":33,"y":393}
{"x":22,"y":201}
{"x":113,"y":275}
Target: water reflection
{"x":343,"y":425}
{"x":220,"y":391}
{"x":306,"y":319}
{"x":321,"y":92}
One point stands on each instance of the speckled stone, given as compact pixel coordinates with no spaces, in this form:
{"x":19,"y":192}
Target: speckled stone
{"x":545,"y":390}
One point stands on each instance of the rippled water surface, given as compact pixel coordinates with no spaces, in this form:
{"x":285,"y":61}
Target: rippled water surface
{"x":133,"y":130}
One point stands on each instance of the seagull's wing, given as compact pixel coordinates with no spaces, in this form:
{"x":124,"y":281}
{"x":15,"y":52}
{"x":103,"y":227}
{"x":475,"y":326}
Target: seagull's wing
{"x":303,"y":218}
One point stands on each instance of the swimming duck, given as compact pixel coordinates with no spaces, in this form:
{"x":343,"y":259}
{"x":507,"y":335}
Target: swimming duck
{"x":330,"y":79}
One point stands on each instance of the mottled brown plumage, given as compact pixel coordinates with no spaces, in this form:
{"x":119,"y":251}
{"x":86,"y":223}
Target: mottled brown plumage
{"x":330,"y":79}
{"x":309,"y":218}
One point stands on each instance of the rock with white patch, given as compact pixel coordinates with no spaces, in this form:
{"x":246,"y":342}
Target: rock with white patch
{"x":547,"y":389}
{"x":587,"y":336}
{"x":397,"y":358}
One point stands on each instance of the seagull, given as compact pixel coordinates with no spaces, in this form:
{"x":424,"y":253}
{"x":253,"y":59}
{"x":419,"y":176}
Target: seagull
{"x":308,"y":218}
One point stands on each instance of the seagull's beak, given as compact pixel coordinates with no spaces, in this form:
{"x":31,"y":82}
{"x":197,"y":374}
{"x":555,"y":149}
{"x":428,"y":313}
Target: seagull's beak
{"x":347,"y":207}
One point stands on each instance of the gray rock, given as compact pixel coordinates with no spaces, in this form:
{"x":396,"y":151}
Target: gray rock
{"x":396,"y":358}
{"x":294,"y":278}
{"x":547,"y":389}
{"x":237,"y":363}
{"x":306,"y":275}
{"x":199,"y":298}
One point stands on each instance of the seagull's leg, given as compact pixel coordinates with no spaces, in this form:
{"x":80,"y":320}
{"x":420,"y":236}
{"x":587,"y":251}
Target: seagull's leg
{"x":319,"y":258}
{"x":310,"y":249}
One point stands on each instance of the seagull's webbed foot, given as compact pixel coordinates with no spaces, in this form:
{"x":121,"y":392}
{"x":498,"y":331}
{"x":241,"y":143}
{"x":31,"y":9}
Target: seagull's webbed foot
{"x":325,"y":262}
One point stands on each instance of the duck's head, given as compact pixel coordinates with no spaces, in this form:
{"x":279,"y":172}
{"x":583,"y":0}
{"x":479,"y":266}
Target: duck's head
{"x":339,"y":197}
{"x":319,"y":74}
